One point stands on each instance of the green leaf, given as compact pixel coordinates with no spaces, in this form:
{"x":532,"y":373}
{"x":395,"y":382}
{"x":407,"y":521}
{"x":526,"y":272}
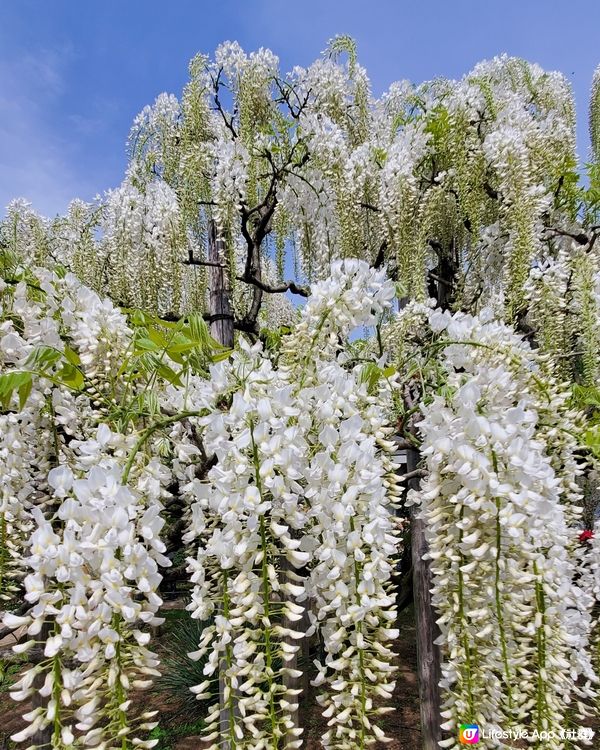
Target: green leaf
{"x":175,"y":356}
{"x":151,"y":402}
{"x":71,"y":376}
{"x":42,"y":357}
{"x":370,"y":374}
{"x":24,"y":392}
{"x":146,"y":344}
{"x":168,"y":374}
{"x":199,"y":331}
{"x":438,"y":125}
{"x":72,"y":356}
{"x":138,"y":317}
{"x":180,"y":342}
{"x":220,"y":356}
{"x":11,"y":381}
{"x":170,"y":324}
{"x":157,"y":337}
{"x":586,"y":395}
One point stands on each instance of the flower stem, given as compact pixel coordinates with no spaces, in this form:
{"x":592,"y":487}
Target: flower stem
{"x":498,"y":596}
{"x":361,"y":651}
{"x":266,"y":597}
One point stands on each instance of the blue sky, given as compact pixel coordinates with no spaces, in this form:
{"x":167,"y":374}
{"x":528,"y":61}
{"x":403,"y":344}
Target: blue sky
{"x":74,"y":74}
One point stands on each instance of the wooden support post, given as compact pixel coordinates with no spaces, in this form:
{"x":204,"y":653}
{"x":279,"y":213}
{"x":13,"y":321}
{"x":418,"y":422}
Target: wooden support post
{"x":221,"y":325}
{"x":428,"y":653}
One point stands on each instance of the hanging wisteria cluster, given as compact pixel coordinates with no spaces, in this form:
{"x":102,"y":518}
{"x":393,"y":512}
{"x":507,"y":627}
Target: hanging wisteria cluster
{"x":459,"y":176}
{"x":297,"y":508}
{"x":81,"y":515}
{"x":501,"y":503}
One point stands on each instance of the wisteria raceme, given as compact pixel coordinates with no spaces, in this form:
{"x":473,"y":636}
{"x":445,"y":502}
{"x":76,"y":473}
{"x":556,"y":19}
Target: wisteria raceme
{"x":356,"y":549}
{"x":241,"y":518}
{"x":523,"y":205}
{"x":301,"y":482}
{"x":356,"y":535}
{"x":144,"y":246}
{"x":562,"y":307}
{"x":80,"y":512}
{"x":29,"y":448}
{"x":92,"y":586}
{"x":548,"y":306}
{"x":73,"y":244}
{"x":595,"y":115}
{"x":24,"y":233}
{"x":501,"y":505}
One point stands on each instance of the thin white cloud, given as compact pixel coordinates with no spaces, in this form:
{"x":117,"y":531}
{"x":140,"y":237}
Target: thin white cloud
{"x":36,"y":161}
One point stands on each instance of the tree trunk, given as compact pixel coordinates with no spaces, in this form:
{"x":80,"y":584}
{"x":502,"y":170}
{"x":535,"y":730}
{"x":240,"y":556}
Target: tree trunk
{"x":428,"y":653}
{"x":221,"y":316}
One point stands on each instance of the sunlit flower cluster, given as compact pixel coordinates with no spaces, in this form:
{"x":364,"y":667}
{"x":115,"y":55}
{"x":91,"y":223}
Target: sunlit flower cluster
{"x":501,"y":504}
{"x":295,"y":514}
{"x":80,"y":512}
{"x":94,"y":574}
{"x":144,"y":247}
